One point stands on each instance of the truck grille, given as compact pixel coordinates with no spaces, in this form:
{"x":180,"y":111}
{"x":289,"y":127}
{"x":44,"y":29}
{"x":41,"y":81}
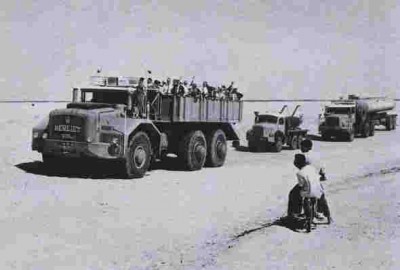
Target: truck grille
{"x":67,"y":128}
{"x":332,"y":121}
{"x":258,"y":131}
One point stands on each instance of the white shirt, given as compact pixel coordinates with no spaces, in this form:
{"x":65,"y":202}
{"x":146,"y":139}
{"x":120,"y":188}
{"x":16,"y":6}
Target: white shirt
{"x":309,"y":182}
{"x":314,"y":159}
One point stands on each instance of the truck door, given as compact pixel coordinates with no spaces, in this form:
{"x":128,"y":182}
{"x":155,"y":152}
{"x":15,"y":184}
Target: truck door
{"x":281,"y":124}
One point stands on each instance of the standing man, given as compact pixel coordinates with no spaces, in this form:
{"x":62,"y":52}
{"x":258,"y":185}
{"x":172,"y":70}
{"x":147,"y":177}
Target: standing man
{"x":310,"y":187}
{"x":322,"y":204}
{"x":141,"y":98}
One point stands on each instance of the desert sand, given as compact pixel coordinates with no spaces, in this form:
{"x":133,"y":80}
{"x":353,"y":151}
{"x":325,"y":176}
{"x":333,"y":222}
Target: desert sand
{"x":216,"y":218}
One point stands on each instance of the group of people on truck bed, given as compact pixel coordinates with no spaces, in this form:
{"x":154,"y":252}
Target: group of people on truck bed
{"x":184,"y":89}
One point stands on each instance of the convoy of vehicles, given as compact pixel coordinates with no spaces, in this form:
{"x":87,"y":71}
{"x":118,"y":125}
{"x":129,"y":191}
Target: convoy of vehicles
{"x":356,"y":116}
{"x":103,"y":122}
{"x":274,"y":130}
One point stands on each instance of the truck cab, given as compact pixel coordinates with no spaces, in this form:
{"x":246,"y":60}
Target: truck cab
{"x":274,"y":130}
{"x":338,"y":119}
{"x":99,"y":124}
{"x":115,"y":118}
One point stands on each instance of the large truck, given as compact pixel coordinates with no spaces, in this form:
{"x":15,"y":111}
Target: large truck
{"x":274,"y":130}
{"x":356,"y":116}
{"x":103,"y":122}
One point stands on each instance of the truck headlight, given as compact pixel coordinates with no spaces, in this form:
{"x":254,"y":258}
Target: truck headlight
{"x":35,"y":134}
{"x":45,"y":135}
{"x":111,"y":138}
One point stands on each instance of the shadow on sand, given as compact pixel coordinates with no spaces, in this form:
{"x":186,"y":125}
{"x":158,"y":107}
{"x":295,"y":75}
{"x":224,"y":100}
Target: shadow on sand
{"x":292,"y":223}
{"x":92,"y":169}
{"x":95,"y":169}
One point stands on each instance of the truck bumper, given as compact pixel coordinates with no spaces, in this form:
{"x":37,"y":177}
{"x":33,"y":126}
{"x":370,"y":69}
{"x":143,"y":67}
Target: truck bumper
{"x":262,"y":140}
{"x":70,"y":149}
{"x":333,"y":131}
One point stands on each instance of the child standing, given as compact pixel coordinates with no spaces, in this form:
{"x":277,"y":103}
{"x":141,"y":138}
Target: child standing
{"x":322,"y":204}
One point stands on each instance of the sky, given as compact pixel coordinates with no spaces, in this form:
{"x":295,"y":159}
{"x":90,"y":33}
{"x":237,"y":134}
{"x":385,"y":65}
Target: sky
{"x":270,"y":49}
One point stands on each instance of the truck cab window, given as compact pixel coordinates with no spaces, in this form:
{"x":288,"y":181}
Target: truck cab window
{"x":266,"y":119}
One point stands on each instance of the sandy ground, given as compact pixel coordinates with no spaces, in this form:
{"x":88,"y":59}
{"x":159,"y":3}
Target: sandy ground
{"x":173,"y":219}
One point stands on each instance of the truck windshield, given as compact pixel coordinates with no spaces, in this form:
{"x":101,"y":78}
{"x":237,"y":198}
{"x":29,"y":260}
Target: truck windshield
{"x":110,"y":97}
{"x":266,"y":119}
{"x":338,"y":110}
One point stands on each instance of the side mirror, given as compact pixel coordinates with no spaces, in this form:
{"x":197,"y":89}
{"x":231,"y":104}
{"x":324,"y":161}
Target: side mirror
{"x":256,"y":113}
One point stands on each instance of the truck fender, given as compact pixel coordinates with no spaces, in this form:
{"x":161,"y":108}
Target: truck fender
{"x":38,"y":130}
{"x":42,"y":125}
{"x":158,"y":140}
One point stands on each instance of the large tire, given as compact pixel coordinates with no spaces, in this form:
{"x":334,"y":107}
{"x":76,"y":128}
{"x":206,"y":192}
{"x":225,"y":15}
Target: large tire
{"x":365,"y":130}
{"x":294,"y":142}
{"x":193,"y":150}
{"x":372,"y":130}
{"x":389,"y":123}
{"x":216,"y":149}
{"x":138,"y":156}
{"x":277,"y":146}
{"x":394,"y":123}
{"x":350,"y":136}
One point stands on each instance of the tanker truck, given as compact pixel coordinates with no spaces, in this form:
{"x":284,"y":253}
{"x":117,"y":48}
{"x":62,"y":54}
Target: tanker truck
{"x":274,"y":130}
{"x":103,"y":122}
{"x":356,"y":116}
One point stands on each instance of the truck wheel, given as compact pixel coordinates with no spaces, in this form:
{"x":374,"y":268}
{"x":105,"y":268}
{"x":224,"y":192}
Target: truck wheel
{"x":277,"y":146}
{"x":388,"y":123}
{"x":394,"y":123}
{"x":216,"y":149}
{"x":294,"y":143}
{"x":194,"y":150}
{"x":138,"y":157}
{"x":372,"y":130}
{"x":365,"y":131}
{"x":351,"y":136}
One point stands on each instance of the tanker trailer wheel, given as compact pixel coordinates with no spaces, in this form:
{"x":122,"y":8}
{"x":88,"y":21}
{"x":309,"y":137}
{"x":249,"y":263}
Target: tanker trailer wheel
{"x":193,"y":150}
{"x":350,"y":137}
{"x":388,"y":123}
{"x":216,"y":149}
{"x":365,"y":131}
{"x":372,"y":130}
{"x":277,"y":146}
{"x":138,"y":156}
{"x":294,"y":142}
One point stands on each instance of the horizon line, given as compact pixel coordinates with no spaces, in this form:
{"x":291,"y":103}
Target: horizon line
{"x":244,"y":100}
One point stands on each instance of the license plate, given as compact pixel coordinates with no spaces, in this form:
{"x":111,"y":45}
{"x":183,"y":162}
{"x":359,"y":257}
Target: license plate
{"x":67,"y":147}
